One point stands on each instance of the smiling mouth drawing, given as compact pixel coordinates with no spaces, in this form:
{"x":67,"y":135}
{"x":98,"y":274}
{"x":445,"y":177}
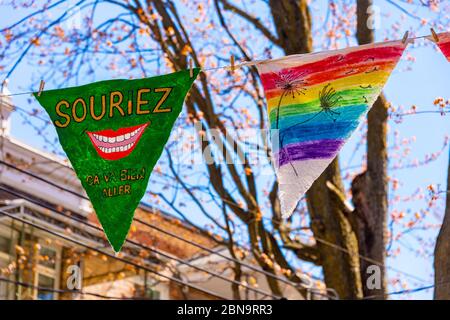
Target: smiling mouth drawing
{"x":115,"y":145}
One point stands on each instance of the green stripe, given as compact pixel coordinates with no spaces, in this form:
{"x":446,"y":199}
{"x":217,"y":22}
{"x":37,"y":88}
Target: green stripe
{"x":349,"y":97}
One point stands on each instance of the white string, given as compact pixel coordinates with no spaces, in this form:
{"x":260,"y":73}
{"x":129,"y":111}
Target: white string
{"x":257,"y":62}
{"x":240,"y":65}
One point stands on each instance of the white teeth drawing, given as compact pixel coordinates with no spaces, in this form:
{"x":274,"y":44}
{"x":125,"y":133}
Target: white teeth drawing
{"x":117,"y":149}
{"x":121,"y":138}
{"x":112,"y":147}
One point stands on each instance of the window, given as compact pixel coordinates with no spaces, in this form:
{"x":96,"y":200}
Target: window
{"x":147,"y":287}
{"x":3,"y":284}
{"x":47,"y":273}
{"x":45,"y":282}
{"x":7,"y":241}
{"x":152,"y":294}
{"x":5,"y":244}
{"x":47,"y":258}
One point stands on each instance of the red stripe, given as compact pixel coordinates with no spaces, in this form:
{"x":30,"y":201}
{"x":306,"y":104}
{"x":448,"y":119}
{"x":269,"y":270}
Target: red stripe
{"x":330,"y":75}
{"x":332,"y":67}
{"x":445,"y":48}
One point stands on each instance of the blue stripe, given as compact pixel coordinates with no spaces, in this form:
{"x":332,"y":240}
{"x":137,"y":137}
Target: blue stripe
{"x":348,"y":113}
{"x":320,"y":127}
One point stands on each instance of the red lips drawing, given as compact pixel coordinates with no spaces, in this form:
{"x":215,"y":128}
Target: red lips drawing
{"x":115,"y":145}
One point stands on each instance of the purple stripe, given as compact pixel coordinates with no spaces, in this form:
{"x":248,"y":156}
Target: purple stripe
{"x":320,"y":149}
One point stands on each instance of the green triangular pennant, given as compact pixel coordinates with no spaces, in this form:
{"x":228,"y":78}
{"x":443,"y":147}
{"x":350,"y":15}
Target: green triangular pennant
{"x":113,"y":133}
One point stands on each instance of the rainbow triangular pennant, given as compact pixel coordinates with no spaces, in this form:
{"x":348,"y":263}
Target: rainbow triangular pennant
{"x":444,"y":44}
{"x":315,"y":102}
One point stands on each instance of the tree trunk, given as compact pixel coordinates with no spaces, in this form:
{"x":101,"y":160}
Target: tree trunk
{"x":370,"y":188}
{"x":442,"y":252}
{"x":338,"y":244}
{"x":292,"y":21}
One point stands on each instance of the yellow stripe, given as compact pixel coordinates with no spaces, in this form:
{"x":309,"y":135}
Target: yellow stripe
{"x":312,"y":93}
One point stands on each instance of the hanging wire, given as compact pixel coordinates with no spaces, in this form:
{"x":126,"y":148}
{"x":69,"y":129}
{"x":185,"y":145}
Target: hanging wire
{"x":318,"y":239}
{"x":16,"y":94}
{"x":408,"y":291}
{"x":337,"y":247}
{"x":195,"y":244}
{"x":200,"y":246}
{"x":57,"y":234}
{"x":170,"y":257}
{"x":249,"y":266}
{"x":229,"y":202}
{"x":14,"y":107}
{"x":239,"y":65}
{"x":61,"y":291}
{"x":264,"y":293}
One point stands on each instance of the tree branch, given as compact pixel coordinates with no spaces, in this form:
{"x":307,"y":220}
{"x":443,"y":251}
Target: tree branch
{"x":251,"y":19}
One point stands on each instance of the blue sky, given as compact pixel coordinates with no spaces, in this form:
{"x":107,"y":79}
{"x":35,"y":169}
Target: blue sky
{"x":428,"y":78}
